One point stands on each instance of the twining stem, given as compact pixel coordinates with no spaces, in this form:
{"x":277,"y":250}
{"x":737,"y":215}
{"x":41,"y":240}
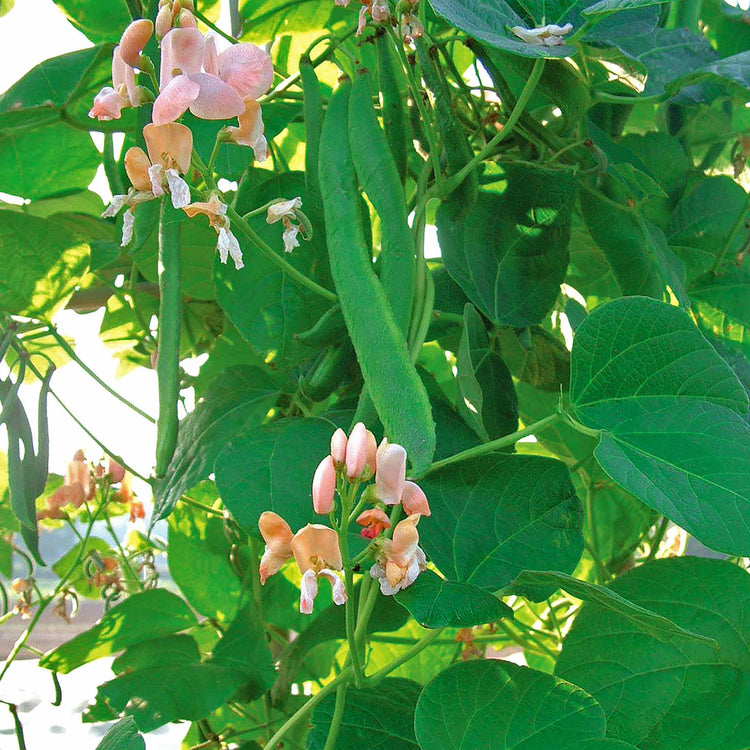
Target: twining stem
{"x":237,"y":221}
{"x":344,"y":677}
{"x":338,"y":715}
{"x":494,"y":445}
{"x":68,"y":349}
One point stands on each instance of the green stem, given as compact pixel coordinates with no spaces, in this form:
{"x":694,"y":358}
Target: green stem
{"x":344,"y":677}
{"x":409,"y":654}
{"x":298,"y":276}
{"x":605,"y":98}
{"x":494,"y":445}
{"x":338,"y":715}
{"x":68,"y":349}
{"x":531,"y":83}
{"x":211,"y":25}
{"x":110,"y":166}
{"x":205,"y":508}
{"x":738,"y":225}
{"x":130,"y":573}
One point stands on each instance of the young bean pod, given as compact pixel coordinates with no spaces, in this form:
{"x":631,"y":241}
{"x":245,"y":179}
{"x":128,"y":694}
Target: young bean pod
{"x":394,"y":117}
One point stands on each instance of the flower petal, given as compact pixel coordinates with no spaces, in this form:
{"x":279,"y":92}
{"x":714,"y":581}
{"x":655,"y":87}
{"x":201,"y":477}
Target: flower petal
{"x":250,"y":130}
{"x":156,"y":175}
{"x":280,"y":209}
{"x":134,"y":39}
{"x":128,"y":224}
{"x":170,"y":145}
{"x":108,"y":104}
{"x":247,"y":69}
{"x":117,"y":202}
{"x":174,"y":99}
{"x":178,"y":189}
{"x":290,"y":237}
{"x":217,"y":100}
{"x":308,"y":590}
{"x":319,"y":542}
{"x":136,"y":168}
{"x":337,"y":585}
{"x":228,"y":245}
{"x":181,"y":53}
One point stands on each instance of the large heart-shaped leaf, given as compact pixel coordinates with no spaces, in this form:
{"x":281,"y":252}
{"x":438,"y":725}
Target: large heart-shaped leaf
{"x":510,"y":252}
{"x":123,"y":736}
{"x":671,"y":412}
{"x":498,"y":515}
{"x":271,"y":468}
{"x":669,"y":695}
{"x":497,"y":705}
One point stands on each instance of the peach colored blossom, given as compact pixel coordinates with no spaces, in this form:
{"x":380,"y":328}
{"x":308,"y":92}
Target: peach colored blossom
{"x":414,"y":501}
{"x":278,"y":538}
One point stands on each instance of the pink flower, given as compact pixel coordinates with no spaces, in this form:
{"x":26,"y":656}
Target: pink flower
{"x":338,"y":448}
{"x":401,"y":559}
{"x":278,"y":538}
{"x":109,"y":102}
{"x":414,"y":501}
{"x":361,"y":452}
{"x":250,"y":130}
{"x":391,"y":473}
{"x":134,"y":39}
{"x":316,"y":551}
{"x":324,"y":486}
{"x":213,"y":87}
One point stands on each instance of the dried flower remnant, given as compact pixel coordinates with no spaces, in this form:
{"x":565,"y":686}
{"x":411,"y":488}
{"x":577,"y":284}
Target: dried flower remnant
{"x":550,"y":35}
{"x":216,"y":212}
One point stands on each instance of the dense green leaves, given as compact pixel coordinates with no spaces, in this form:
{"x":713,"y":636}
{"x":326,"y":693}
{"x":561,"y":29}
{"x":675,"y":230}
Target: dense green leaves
{"x":498,"y":705}
{"x":510,"y":252}
{"x":271,"y":468}
{"x":40,"y":264}
{"x":435,"y":603}
{"x":98,"y":21}
{"x":123,"y":736}
{"x":148,"y":614}
{"x":240,"y":397}
{"x":498,"y":515}
{"x":669,"y":695}
{"x":672,"y":414}
{"x":379,"y":717}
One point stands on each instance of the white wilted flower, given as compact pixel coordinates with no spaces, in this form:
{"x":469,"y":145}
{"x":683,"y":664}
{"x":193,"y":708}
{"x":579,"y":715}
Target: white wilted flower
{"x":550,"y":35}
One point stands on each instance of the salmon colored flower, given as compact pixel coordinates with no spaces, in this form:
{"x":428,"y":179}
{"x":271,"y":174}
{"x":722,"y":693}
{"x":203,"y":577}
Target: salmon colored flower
{"x":324,"y":486}
{"x":414,"y":501}
{"x":216,"y":212}
{"x":390,"y":476}
{"x":401,"y":559}
{"x":250,"y":131}
{"x":115,"y":471}
{"x":373,"y":521}
{"x":111,"y":100}
{"x":211,"y":86}
{"x":134,"y":39}
{"x":316,"y":551}
{"x":278,"y":538}
{"x":169,"y":151}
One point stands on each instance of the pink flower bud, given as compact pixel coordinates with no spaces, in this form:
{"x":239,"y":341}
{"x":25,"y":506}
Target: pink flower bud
{"x":134,"y":39}
{"x":390,"y":477}
{"x":186,"y":20}
{"x":414,"y":501}
{"x":163,"y":21}
{"x":372,"y":453}
{"x":115,"y":471}
{"x":356,"y":451}
{"x":338,"y":448}
{"x":324,"y":486}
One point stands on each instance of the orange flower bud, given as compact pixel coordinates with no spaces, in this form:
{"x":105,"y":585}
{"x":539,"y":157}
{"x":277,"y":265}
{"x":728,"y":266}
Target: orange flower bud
{"x":134,"y":39}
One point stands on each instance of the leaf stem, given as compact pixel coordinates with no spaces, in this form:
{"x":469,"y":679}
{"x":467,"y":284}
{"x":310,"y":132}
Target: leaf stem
{"x":420,"y":645}
{"x":494,"y":445}
{"x":287,"y":267}
{"x":338,"y":715}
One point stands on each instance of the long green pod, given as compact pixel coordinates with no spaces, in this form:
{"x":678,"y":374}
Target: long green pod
{"x":378,"y":175}
{"x":458,"y":152}
{"x":329,"y":373}
{"x":329,"y":329}
{"x":394,"y":116}
{"x":40,"y":469}
{"x":396,"y":390}
{"x":170,"y":320}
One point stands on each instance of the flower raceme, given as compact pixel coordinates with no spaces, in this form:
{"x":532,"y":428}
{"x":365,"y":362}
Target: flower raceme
{"x":401,"y":558}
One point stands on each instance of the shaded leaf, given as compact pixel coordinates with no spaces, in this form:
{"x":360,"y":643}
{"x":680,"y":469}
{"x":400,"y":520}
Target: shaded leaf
{"x":122,"y":736}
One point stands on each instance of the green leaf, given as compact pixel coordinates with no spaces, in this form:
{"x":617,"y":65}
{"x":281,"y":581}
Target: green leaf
{"x":239,"y":397}
{"x":157,"y":651}
{"x":198,"y":561}
{"x":499,"y":705}
{"x":487,"y":400}
{"x":655,"y":624}
{"x":269,"y":19}
{"x":52,"y":160}
{"x":62,"y":85}
{"x":510,"y":252}
{"x":490,"y":21}
{"x":638,"y":350}
{"x":123,"y":736}
{"x":604,"y":8}
{"x":378,"y":717}
{"x":732,"y":70}
{"x":99,"y":21}
{"x":671,"y":411}
{"x":244,"y":649}
{"x":266,"y":306}
{"x":6,"y":6}
{"x":76,"y":577}
{"x":271,"y":468}
{"x":148,"y":614}
{"x":40,"y":265}
{"x":672,"y":695}
{"x":436,"y":603}
{"x":498,"y":515}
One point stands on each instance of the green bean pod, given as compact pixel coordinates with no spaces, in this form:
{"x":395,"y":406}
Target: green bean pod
{"x":329,"y":329}
{"x":329,"y":373}
{"x":392,"y":381}
{"x":458,"y":152}
{"x":170,"y":322}
{"x":394,"y":117}
{"x":378,"y":175}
